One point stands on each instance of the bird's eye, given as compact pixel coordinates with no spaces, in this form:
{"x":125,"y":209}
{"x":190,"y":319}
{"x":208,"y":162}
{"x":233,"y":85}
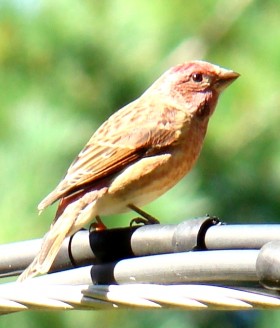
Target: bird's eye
{"x":197,"y":77}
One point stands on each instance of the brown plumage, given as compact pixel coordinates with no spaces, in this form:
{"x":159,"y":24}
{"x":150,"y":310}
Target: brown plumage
{"x":139,"y":153}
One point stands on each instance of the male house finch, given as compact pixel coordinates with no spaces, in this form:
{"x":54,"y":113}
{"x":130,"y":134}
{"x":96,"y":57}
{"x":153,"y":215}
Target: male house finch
{"x":139,"y":153}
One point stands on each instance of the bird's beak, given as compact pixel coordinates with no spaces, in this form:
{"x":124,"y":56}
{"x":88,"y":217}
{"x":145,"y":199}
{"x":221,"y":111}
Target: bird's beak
{"x":225,"y":78}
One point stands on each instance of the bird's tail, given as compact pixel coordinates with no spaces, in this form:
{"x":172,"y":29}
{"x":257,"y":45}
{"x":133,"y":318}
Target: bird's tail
{"x":60,"y":229}
{"x":69,"y":220}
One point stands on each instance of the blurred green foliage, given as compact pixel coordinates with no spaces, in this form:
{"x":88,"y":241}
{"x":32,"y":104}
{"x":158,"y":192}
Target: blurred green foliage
{"x":66,"y":65}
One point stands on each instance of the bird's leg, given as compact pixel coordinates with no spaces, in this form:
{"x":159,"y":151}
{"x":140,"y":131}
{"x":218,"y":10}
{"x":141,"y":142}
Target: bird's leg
{"x":145,"y":219}
{"x":97,"y":225}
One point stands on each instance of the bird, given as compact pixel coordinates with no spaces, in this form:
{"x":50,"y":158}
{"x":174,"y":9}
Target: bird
{"x":136,"y":155}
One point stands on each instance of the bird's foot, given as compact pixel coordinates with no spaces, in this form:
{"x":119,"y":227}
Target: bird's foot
{"x":97,"y":225}
{"x":145,"y":217}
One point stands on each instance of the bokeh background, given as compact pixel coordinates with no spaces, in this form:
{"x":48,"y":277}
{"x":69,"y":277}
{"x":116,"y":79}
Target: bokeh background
{"x":65,"y":66}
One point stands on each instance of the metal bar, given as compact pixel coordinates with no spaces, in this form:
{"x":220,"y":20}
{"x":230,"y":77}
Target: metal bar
{"x":241,"y":236}
{"x":112,"y":245}
{"x":230,"y":266}
{"x":205,"y":266}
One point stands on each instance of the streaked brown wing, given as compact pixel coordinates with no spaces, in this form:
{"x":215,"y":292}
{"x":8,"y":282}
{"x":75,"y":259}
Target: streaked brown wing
{"x":115,"y":145}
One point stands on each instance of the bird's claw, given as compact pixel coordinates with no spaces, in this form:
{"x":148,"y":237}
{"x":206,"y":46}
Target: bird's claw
{"x":97,"y":225}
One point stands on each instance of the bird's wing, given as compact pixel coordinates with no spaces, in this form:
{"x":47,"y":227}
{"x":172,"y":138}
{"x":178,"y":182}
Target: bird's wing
{"x":117,"y":143}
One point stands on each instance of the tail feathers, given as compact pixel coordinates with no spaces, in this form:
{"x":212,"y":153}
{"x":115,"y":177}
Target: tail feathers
{"x":50,"y":246}
{"x":30,"y":272}
{"x":74,"y":216}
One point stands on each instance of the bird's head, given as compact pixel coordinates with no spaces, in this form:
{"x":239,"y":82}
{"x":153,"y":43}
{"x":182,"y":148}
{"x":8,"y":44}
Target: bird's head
{"x":195,"y":86}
